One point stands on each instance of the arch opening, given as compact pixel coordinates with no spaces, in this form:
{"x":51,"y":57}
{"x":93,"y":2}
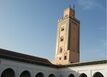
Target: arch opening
{"x":8,"y":73}
{"x":71,"y":75}
{"x":25,"y":74}
{"x":40,"y":74}
{"x":98,"y":74}
{"x":83,"y":75}
{"x":51,"y":75}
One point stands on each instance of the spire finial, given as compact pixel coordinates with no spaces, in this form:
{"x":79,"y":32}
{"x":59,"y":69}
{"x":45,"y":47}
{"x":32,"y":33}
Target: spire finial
{"x":69,"y":3}
{"x":74,"y":9}
{"x":73,"y":6}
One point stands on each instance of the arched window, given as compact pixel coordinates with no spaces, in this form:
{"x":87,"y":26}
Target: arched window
{"x":60,"y":50}
{"x":40,"y":74}
{"x":65,"y":56}
{"x":61,"y":38}
{"x":8,"y":73}
{"x":62,"y":28}
{"x":83,"y":75}
{"x":51,"y":75}
{"x":25,"y":74}
{"x":71,"y":75}
{"x":98,"y":74}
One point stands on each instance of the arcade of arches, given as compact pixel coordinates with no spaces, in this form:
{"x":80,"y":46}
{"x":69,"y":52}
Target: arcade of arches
{"x":97,"y":74}
{"x":10,"y":73}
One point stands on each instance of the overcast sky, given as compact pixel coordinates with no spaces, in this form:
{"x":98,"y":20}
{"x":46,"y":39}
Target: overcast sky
{"x":29,"y":26}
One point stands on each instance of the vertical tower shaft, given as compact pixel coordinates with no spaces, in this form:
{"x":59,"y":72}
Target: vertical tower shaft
{"x":67,"y":42}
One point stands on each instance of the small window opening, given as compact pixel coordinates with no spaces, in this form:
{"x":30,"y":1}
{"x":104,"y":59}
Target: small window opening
{"x":60,"y":58}
{"x":62,"y":29}
{"x":60,"y":50}
{"x":65,"y":57}
{"x":61,"y":39}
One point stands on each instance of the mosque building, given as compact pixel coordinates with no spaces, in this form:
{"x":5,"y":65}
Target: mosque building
{"x":67,"y":56}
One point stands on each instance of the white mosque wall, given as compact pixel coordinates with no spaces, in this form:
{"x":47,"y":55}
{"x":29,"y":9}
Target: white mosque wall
{"x":19,"y":67}
{"x":33,"y":69}
{"x":89,"y":70}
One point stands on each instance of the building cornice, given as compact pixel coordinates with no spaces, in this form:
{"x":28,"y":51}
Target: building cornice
{"x":84,"y":63}
{"x":10,"y":55}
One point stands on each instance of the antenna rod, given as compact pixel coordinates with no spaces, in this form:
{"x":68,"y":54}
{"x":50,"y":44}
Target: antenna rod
{"x":73,"y":6}
{"x":68,"y":1}
{"x":71,"y":2}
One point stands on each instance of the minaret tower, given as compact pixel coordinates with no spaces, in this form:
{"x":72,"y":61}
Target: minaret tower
{"x":67,"y":42}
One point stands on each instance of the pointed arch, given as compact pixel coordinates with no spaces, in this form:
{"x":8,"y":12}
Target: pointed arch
{"x":25,"y":74}
{"x":71,"y":75}
{"x":51,"y":75}
{"x":98,"y":74}
{"x":83,"y":75}
{"x":40,"y":74}
{"x":8,"y":73}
